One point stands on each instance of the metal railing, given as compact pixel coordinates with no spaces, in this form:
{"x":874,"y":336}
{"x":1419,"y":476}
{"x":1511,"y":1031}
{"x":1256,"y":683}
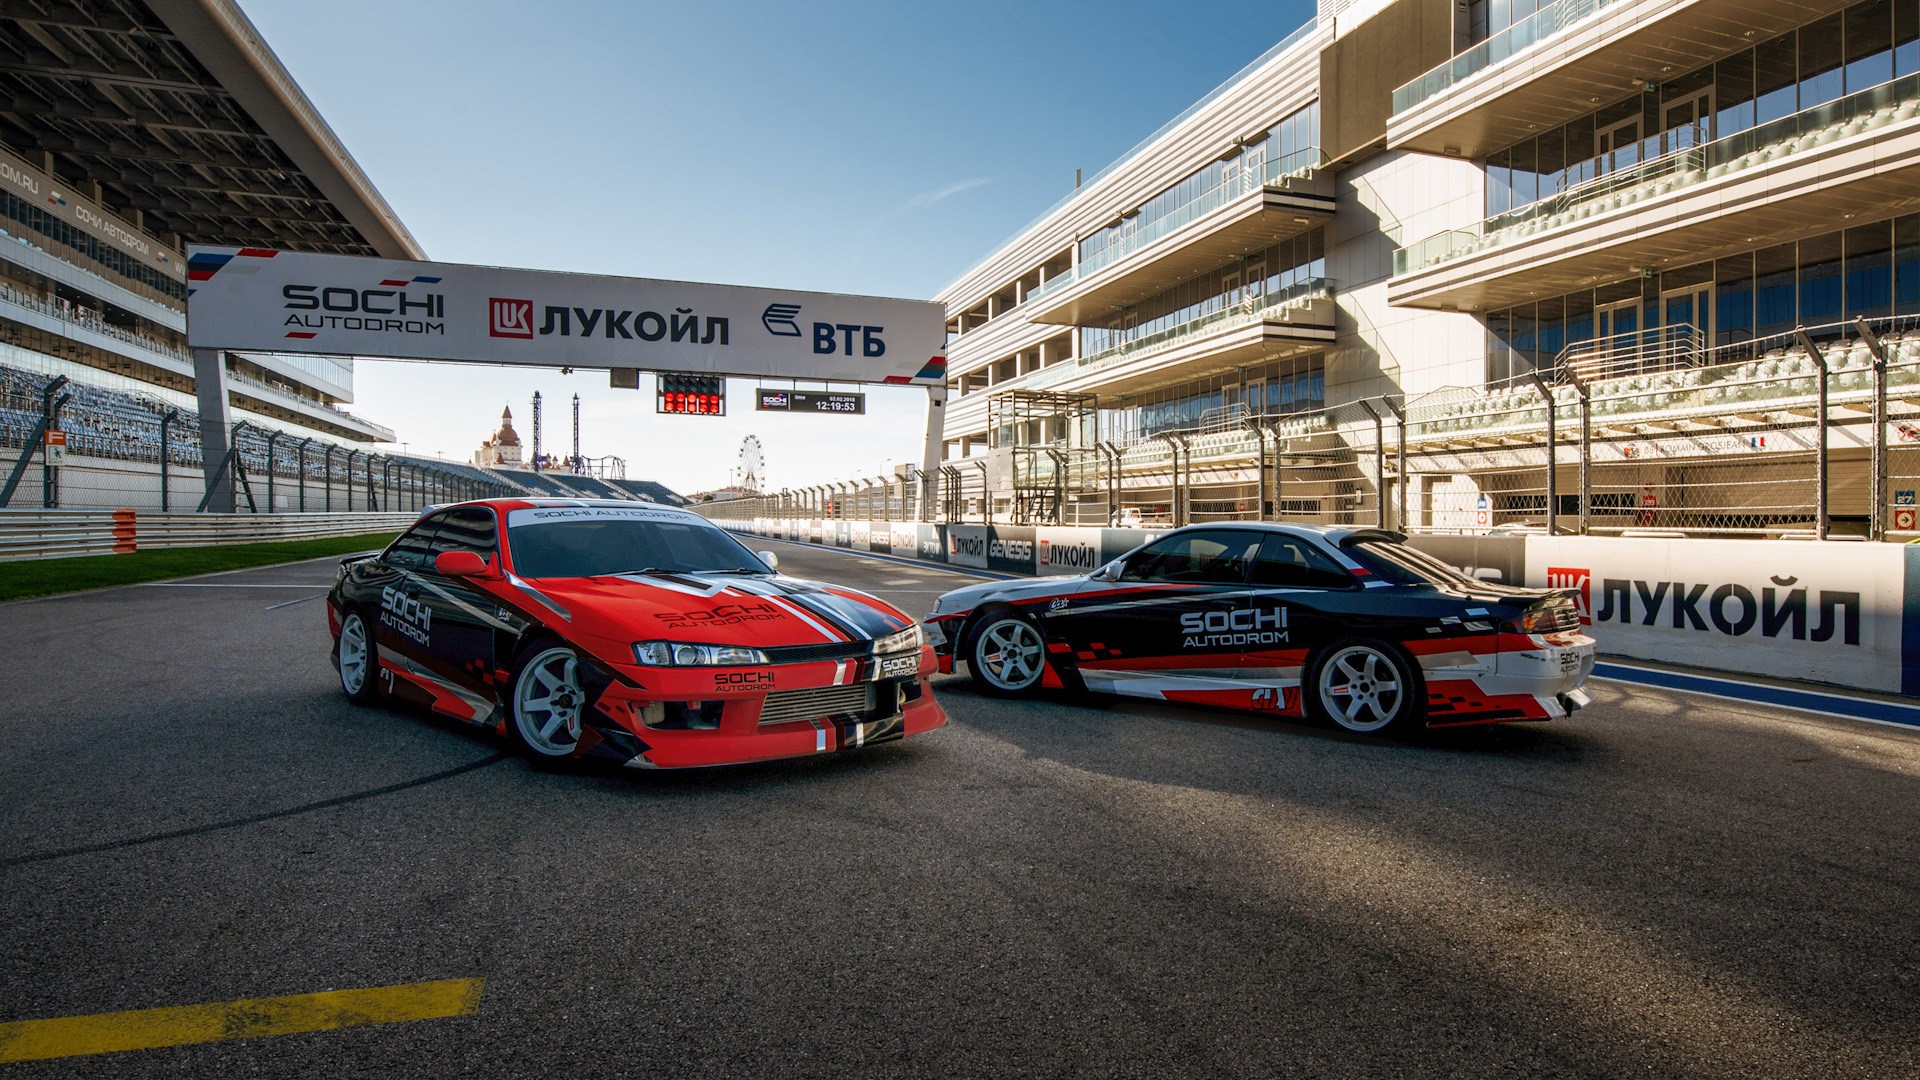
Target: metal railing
{"x":1519,"y":37}
{"x":84,"y":319}
{"x":1616,"y":188}
{"x":1276,"y":173}
{"x":1215,"y":94}
{"x":49,"y":534}
{"x":1247,"y":311}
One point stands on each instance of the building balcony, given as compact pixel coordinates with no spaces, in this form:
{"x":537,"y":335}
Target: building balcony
{"x":286,"y":404}
{"x":1254,"y":210}
{"x":1793,"y":177}
{"x":1570,"y":56}
{"x":1291,"y":321}
{"x":83,"y":326}
{"x":1711,"y":409}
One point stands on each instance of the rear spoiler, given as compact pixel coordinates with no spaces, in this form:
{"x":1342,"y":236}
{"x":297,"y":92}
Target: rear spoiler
{"x":1361,"y":536}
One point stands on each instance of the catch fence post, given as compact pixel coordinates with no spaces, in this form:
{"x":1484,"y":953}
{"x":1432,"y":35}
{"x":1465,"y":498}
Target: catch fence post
{"x":1877,"y":482}
{"x":1553,"y":450}
{"x":1820,"y":464}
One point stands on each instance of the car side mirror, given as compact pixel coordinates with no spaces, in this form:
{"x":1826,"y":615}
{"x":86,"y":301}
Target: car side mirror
{"x":459,"y":564}
{"x":1111,"y":571}
{"x":768,"y":557}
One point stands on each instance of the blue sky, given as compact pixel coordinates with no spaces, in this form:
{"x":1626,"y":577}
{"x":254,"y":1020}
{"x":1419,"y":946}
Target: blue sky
{"x":845,"y":147}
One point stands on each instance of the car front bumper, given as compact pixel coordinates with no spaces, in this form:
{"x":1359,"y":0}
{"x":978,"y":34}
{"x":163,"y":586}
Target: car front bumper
{"x":692,"y":717}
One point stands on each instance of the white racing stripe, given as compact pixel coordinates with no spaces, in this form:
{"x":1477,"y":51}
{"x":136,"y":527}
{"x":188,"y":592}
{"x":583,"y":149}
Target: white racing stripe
{"x":794,"y":610}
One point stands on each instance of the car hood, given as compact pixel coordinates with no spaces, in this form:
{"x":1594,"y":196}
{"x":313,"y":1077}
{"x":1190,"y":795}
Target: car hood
{"x":972,"y":596}
{"x":719,"y":609}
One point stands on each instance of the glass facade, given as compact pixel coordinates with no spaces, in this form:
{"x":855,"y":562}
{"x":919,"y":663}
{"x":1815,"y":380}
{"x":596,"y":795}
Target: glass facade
{"x":1867,"y":271}
{"x":1299,"y":131}
{"x":1262,"y":273}
{"x":1863,"y":46}
{"x":1276,"y":389}
{"x":87,"y":252}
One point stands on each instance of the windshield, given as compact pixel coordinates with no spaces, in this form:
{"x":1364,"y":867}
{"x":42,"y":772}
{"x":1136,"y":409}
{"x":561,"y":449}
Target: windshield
{"x":1402,"y":565}
{"x":596,"y":541}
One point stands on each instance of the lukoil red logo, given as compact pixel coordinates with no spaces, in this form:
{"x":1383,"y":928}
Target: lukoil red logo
{"x":1562,"y":577}
{"x":510,"y":318}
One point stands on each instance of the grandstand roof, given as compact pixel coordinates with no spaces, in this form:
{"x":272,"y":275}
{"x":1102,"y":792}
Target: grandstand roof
{"x":179,"y":110}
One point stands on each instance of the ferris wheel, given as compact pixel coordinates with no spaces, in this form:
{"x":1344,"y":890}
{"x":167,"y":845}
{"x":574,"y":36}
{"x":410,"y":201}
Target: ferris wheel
{"x":751,"y":468}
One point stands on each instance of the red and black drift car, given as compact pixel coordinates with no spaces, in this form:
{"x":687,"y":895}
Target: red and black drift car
{"x":1350,"y":625}
{"x":638,"y":633}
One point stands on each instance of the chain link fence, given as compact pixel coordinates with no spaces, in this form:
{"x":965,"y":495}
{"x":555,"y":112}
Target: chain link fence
{"x":1748,"y":439}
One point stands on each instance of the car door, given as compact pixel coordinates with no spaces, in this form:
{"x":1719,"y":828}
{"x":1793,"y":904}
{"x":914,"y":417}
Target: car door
{"x":386,"y":587}
{"x":1172,"y":610}
{"x":1288,"y":594}
{"x":459,"y":618}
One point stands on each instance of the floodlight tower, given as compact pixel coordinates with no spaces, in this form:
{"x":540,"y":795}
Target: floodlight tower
{"x":536,"y":431}
{"x":577,"y":459}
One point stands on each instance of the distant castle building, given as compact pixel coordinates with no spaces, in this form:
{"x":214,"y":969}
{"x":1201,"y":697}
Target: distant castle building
{"x":504,"y":448}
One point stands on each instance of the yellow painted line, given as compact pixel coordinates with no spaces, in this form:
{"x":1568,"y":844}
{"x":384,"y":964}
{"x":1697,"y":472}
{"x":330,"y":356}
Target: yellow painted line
{"x":106,"y":1033}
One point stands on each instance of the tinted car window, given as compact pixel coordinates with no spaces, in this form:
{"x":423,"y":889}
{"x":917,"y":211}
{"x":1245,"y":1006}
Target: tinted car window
{"x":590,"y":546}
{"x":1212,"y":557}
{"x":1290,"y":562}
{"x":1402,"y":565}
{"x":467,"y":528}
{"x":412,"y":550}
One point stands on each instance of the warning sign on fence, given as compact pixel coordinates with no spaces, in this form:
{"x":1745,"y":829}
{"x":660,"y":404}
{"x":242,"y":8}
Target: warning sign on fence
{"x":56,"y":447}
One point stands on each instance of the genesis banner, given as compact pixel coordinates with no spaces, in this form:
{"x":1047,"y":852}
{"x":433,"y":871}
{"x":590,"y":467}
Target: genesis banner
{"x":345,"y":305}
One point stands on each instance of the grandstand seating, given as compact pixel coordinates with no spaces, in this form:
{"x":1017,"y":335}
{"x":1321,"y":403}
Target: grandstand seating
{"x":650,"y":491}
{"x":121,"y":426}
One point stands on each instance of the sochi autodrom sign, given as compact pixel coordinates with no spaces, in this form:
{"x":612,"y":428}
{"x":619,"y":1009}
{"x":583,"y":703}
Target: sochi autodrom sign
{"x":342,"y":305}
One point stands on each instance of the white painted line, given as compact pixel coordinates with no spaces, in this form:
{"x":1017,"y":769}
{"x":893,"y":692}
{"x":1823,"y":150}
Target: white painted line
{"x":228,"y":585}
{"x":290,"y":603}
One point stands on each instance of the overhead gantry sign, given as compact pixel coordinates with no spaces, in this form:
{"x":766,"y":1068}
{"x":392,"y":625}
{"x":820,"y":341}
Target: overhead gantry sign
{"x":339,"y":305}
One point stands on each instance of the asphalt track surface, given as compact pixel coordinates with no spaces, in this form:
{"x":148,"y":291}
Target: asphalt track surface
{"x":1666,"y":885}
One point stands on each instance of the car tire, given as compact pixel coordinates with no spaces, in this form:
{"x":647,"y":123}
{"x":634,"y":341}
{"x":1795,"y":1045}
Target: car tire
{"x":1006,"y":655}
{"x":1366,"y":686}
{"x":545,"y":703}
{"x":357,"y":657}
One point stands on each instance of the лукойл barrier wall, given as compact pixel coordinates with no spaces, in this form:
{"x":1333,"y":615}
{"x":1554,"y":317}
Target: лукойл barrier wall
{"x":1842,"y":613}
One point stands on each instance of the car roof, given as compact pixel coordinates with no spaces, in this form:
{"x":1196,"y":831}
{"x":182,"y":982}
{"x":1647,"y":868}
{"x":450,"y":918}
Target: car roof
{"x":1337,"y":535}
{"x":520,"y":503}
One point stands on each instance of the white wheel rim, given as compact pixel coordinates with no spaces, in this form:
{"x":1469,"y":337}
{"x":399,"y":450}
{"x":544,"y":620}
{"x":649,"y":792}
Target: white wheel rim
{"x":547,"y":702}
{"x":353,"y":654}
{"x":1010,"y":654}
{"x":1361,"y":688}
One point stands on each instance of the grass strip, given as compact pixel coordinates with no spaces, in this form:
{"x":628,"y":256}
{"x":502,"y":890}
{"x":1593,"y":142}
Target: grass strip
{"x":48,"y":577}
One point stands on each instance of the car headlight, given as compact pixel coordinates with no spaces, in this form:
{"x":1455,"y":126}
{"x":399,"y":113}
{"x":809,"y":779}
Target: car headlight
{"x":682,"y":654}
{"x":910,"y":638}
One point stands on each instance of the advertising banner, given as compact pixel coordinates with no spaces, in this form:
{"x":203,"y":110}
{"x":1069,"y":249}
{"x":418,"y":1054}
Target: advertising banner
{"x":817,"y":531}
{"x":58,"y":199}
{"x":859,"y":534}
{"x":1827,"y":612}
{"x":1010,"y":549}
{"x":347,"y":305}
{"x":842,"y":535}
{"x":933,"y":541}
{"x":903,"y":538}
{"x":967,"y":545}
{"x":1067,"y":551}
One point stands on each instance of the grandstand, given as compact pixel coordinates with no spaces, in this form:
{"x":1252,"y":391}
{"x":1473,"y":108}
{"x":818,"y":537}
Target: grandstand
{"x":105,"y":426}
{"x":103,"y":184}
